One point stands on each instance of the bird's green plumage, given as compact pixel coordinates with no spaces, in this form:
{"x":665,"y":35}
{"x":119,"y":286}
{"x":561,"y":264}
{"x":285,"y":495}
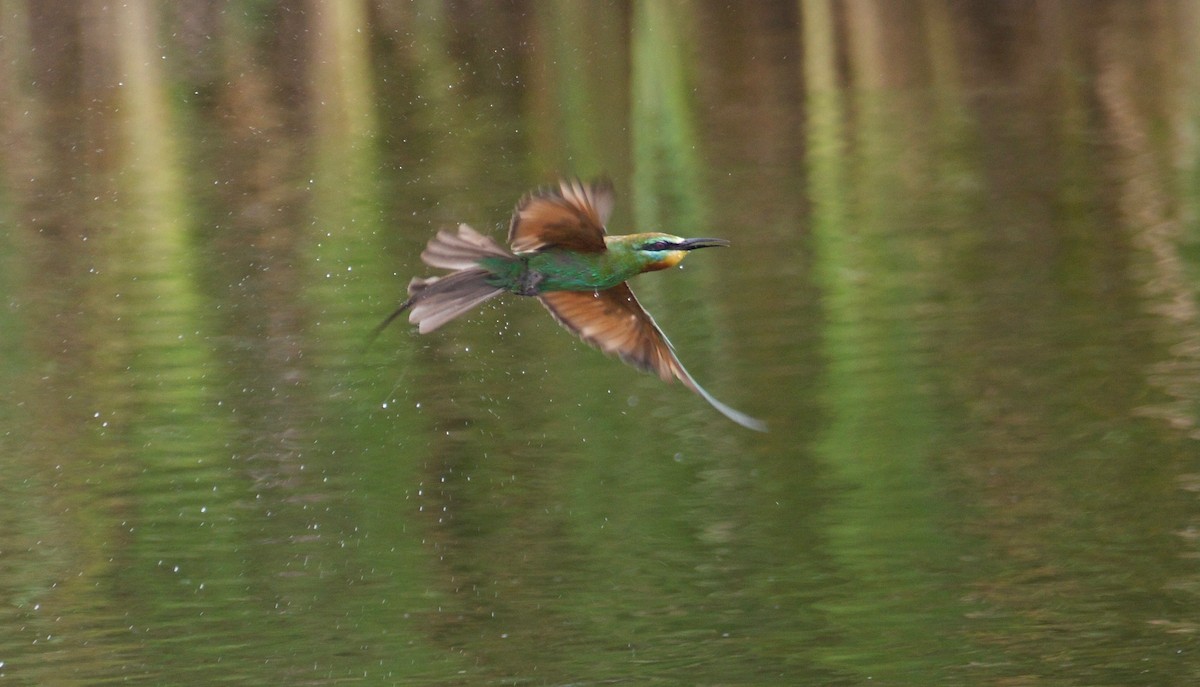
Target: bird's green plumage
{"x":560,"y":253}
{"x":555,"y":269}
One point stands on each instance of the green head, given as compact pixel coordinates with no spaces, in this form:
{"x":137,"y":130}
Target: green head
{"x":658,"y":251}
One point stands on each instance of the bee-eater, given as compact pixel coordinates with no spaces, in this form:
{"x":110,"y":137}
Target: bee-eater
{"x":560,"y":254}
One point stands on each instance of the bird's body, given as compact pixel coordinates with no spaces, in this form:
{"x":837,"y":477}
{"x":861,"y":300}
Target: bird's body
{"x":559,"y":269}
{"x":561,"y":254}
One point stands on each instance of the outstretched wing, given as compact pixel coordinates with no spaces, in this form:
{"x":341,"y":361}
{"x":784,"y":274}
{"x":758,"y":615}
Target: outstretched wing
{"x":614,"y":321}
{"x":571,"y":216}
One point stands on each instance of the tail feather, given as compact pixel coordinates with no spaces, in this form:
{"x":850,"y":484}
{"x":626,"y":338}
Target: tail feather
{"x":437,"y":300}
{"x":434,"y":301}
{"x":460,"y":251}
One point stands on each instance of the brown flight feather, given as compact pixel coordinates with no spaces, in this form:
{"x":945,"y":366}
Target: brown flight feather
{"x":571,"y":216}
{"x":613,"y":321}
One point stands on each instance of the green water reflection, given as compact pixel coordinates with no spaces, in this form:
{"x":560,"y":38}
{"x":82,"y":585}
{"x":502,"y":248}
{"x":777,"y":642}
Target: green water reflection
{"x":962,"y":291}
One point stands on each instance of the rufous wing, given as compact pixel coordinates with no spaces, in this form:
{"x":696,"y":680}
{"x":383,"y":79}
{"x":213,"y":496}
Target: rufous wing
{"x":613,"y":321}
{"x":571,"y":216}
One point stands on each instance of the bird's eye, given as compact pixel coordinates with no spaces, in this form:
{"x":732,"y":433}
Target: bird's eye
{"x":658,"y":245}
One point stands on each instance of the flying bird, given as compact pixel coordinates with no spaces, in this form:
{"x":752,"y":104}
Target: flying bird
{"x":560,"y":254}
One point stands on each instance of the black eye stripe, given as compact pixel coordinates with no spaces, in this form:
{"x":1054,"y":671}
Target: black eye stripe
{"x":658,"y":245}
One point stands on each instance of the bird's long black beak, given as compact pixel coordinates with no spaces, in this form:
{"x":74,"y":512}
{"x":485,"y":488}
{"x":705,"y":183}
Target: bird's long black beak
{"x":691,"y":244}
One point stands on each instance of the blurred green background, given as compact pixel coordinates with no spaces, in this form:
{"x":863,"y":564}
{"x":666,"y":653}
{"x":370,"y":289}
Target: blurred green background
{"x":962,"y":290}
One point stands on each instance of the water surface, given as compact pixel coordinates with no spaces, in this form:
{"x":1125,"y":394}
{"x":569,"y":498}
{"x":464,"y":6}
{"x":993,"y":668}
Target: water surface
{"x":962,"y":291}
